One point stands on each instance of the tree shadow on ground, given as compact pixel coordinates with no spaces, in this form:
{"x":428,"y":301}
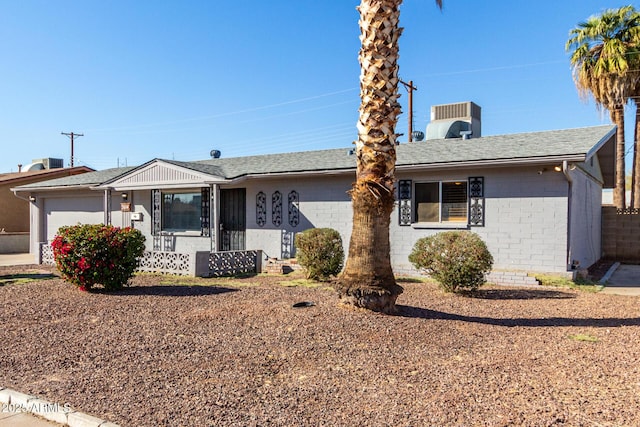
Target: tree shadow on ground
{"x":607,"y":322}
{"x":25,"y":277}
{"x":167,"y":291}
{"x":520,"y":294}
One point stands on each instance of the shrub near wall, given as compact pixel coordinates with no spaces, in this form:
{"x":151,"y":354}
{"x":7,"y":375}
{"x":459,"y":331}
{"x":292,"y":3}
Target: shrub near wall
{"x":87,"y":255}
{"x":458,"y":260}
{"x":319,"y":252}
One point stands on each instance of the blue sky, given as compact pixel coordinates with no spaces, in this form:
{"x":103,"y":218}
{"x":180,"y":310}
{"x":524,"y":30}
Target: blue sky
{"x":176,"y":79}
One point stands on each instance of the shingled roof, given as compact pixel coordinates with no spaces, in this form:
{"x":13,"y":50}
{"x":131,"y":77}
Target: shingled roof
{"x":88,"y":179}
{"x":570,"y":144}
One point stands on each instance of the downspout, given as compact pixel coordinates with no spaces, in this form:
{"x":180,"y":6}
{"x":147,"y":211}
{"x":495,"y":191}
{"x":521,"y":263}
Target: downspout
{"x":565,"y":171}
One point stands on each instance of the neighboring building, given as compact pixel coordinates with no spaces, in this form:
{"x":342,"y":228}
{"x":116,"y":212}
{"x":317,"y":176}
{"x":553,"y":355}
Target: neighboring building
{"x":14,"y":211}
{"x":534,"y":198}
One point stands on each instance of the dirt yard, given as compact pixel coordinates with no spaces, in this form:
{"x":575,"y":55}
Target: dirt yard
{"x":171,"y":351}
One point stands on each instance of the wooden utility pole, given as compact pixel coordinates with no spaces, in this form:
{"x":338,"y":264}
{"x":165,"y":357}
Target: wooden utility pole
{"x":410,"y":88}
{"x":71,"y":135}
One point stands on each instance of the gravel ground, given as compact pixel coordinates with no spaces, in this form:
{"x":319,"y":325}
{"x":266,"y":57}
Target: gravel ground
{"x":170,"y":352}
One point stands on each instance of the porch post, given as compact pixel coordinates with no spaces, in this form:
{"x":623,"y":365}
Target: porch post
{"x":107,"y":206}
{"x":36,"y":226}
{"x":215,"y":217}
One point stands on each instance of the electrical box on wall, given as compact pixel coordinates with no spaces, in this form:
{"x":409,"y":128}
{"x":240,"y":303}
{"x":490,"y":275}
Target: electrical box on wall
{"x":136,"y":216}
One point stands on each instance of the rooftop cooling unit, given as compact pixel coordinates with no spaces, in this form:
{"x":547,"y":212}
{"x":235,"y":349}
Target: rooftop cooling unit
{"x":49,"y":163}
{"x":461,"y":120}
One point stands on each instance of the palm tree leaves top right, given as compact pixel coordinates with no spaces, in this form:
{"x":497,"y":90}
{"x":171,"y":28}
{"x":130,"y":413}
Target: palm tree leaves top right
{"x":605,"y":61}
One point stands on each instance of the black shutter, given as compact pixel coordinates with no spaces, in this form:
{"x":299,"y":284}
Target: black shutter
{"x":404,"y":201}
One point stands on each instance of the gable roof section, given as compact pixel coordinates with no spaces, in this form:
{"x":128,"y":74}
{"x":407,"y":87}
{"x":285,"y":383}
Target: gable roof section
{"x":165,"y":174}
{"x":575,"y":145}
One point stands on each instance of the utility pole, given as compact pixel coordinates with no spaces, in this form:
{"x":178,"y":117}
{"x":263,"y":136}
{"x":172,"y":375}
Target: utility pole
{"x":410,"y":88}
{"x":71,"y":135}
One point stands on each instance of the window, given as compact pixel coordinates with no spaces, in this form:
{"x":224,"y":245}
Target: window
{"x":181,"y":211}
{"x":441,"y":202}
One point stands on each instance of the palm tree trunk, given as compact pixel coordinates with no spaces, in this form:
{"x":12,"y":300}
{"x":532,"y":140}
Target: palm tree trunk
{"x":617,"y":117}
{"x":635,"y":173}
{"x":367,"y":280}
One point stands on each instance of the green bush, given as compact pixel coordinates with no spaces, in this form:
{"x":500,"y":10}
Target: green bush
{"x":458,"y":260}
{"x":319,"y":252}
{"x":87,"y":255}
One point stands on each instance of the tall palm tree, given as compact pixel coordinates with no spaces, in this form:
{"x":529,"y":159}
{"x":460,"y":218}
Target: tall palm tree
{"x":599,"y":57}
{"x":635,"y":171}
{"x":633,"y":57}
{"x":367,"y":280}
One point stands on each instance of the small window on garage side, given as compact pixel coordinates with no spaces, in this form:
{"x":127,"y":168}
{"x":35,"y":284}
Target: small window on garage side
{"x":441,"y":201}
{"x":181,"y":211}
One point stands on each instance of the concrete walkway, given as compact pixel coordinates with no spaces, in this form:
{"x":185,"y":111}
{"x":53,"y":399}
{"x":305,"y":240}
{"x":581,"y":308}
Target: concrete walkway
{"x":17,"y":259}
{"x":622,"y":279}
{"x":24,"y":419}
{"x":22,"y":410}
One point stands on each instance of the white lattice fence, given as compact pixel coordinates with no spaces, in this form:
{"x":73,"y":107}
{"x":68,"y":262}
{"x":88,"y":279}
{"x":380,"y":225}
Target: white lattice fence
{"x":166,"y":262}
{"x":151,"y":262}
{"x":46,"y":254}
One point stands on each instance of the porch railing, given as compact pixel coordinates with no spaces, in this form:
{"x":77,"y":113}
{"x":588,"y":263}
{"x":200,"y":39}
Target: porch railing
{"x":202,"y":264}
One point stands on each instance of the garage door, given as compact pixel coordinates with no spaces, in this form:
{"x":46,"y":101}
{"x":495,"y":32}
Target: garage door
{"x":71,"y":211}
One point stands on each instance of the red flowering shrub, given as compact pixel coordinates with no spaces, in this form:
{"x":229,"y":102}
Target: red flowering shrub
{"x":87,"y":255}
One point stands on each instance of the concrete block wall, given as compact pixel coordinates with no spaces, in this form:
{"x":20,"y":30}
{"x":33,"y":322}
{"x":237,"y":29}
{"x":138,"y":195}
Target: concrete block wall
{"x":13,"y":243}
{"x":526,"y":217}
{"x":586,"y":220}
{"x":621,"y":234}
{"x":323,"y":202}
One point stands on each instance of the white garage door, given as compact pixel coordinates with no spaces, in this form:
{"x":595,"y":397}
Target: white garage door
{"x":71,"y":211}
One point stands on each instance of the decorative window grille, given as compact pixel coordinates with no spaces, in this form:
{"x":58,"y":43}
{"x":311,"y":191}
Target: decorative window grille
{"x":276,"y":209}
{"x":476,"y":201}
{"x":156,"y":214}
{"x":261,"y":209}
{"x":404,"y":198}
{"x":294,"y":208}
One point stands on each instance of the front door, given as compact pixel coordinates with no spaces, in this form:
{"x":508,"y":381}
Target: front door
{"x":233,"y":219}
